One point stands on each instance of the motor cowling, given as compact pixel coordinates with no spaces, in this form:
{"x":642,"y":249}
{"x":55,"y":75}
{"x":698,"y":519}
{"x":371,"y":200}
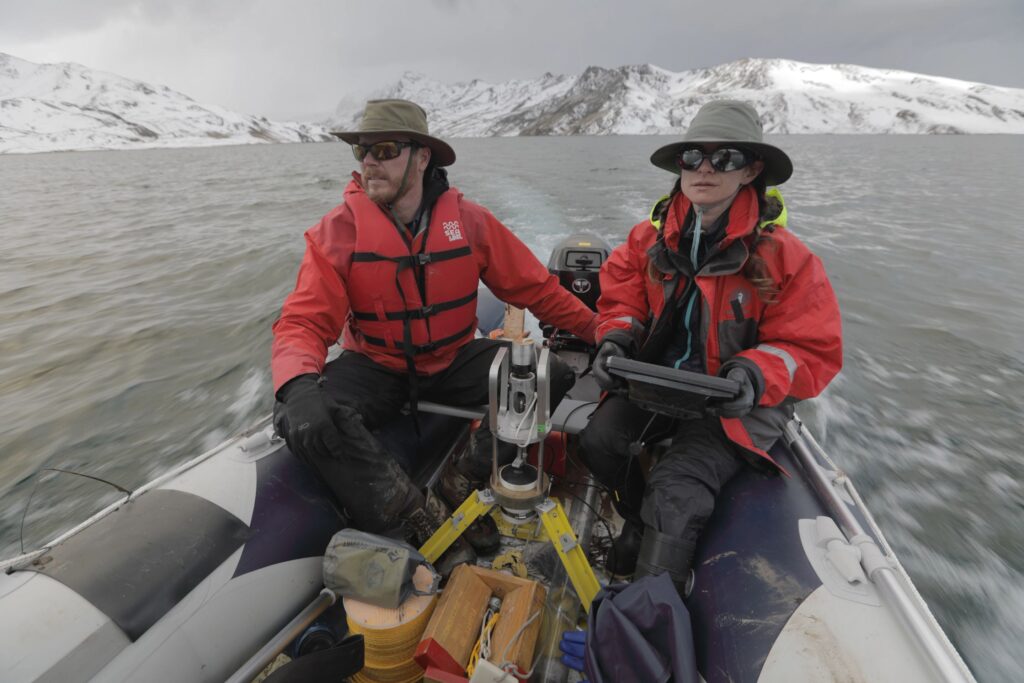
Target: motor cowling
{"x":576,"y":261}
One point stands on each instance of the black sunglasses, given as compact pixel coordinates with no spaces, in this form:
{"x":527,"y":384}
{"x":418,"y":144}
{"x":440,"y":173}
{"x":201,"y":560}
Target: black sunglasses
{"x":381,"y":151}
{"x":722,"y":159}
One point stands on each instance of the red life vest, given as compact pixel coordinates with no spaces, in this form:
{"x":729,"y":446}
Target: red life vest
{"x":411,"y":296}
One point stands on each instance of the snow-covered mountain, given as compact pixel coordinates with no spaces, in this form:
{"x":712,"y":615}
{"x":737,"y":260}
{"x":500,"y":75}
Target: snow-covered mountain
{"x":48,"y":107}
{"x":793,"y":97}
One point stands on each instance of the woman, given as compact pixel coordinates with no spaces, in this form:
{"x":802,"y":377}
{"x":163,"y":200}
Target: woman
{"x":712,"y":282}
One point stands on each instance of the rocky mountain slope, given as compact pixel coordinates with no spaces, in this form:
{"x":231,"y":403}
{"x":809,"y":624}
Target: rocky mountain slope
{"x":48,"y":107}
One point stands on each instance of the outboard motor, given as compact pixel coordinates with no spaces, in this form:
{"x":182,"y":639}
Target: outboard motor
{"x":577,"y":262}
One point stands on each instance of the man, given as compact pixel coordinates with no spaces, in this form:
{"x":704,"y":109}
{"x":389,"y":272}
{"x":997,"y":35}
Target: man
{"x":396,"y":267}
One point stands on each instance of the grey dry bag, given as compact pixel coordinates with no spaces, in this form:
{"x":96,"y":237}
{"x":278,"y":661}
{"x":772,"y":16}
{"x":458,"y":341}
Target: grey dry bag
{"x":374,"y":569}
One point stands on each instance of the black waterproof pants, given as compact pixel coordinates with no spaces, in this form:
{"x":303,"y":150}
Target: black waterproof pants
{"x":679,"y":494}
{"x":372,"y":488}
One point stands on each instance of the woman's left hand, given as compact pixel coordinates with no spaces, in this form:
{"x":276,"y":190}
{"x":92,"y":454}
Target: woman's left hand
{"x":744,"y":401}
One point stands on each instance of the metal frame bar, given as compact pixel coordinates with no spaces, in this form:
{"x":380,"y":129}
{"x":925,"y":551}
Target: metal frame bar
{"x":496,"y":377}
{"x":886,"y":571}
{"x":292,"y":630}
{"x":543,"y":411}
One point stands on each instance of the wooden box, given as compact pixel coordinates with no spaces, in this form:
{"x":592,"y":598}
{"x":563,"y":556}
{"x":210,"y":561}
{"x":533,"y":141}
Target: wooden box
{"x":455,"y":625}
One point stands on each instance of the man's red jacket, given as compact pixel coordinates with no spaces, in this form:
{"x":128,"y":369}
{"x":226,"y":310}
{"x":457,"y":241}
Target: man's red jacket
{"x":318,"y":310}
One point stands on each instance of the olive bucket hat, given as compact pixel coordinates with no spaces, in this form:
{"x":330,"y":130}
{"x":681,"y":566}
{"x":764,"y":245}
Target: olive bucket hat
{"x":728,"y":122}
{"x":399,"y":117}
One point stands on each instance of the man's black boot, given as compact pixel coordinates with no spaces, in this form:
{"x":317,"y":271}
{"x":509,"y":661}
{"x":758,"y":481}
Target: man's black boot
{"x":423,"y":520}
{"x":454,"y":487}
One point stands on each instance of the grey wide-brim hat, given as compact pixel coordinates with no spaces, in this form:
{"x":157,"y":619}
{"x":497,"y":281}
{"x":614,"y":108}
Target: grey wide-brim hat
{"x":734,"y":122}
{"x":399,"y":117}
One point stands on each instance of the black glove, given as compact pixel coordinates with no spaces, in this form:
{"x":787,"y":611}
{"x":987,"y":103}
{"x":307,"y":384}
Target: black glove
{"x":304,"y":419}
{"x":744,"y":401}
{"x":605,"y":379}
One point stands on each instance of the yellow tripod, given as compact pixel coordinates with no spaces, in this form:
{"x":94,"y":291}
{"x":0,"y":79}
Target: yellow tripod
{"x":519,"y":411}
{"x":556,"y":528}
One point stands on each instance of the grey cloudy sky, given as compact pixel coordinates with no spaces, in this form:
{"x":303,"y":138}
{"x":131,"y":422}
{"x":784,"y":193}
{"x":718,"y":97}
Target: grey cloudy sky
{"x":297,"y":59}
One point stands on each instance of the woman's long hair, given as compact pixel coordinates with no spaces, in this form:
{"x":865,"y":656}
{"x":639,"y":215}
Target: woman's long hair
{"x":755,"y":269}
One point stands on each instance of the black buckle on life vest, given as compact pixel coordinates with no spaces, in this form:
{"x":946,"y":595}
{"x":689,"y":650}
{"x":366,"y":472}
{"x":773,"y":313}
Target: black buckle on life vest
{"x":427,"y":311}
{"x":421,"y":259}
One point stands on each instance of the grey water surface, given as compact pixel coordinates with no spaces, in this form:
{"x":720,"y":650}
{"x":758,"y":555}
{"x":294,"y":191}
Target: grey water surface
{"x":137,"y":291}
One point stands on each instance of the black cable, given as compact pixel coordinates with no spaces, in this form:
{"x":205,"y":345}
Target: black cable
{"x":574,"y":456}
{"x":598,"y":485}
{"x":88,"y":476}
{"x":643,"y":433}
{"x":35,"y":484}
{"x":604,"y":489}
{"x":573,"y":411}
{"x":607,"y":527}
{"x":24,"y":514}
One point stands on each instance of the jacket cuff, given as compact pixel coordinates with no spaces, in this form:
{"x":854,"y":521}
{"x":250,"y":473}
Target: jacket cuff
{"x":622,"y":338}
{"x":752,"y":369}
{"x":294,"y":383}
{"x":589,"y":333}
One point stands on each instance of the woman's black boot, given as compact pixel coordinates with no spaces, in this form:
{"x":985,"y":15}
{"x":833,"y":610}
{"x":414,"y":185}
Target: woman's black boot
{"x":625,"y":549}
{"x":661,"y":553}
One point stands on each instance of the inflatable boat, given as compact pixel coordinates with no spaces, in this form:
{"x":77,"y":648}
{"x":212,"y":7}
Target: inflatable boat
{"x":196,"y":575}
